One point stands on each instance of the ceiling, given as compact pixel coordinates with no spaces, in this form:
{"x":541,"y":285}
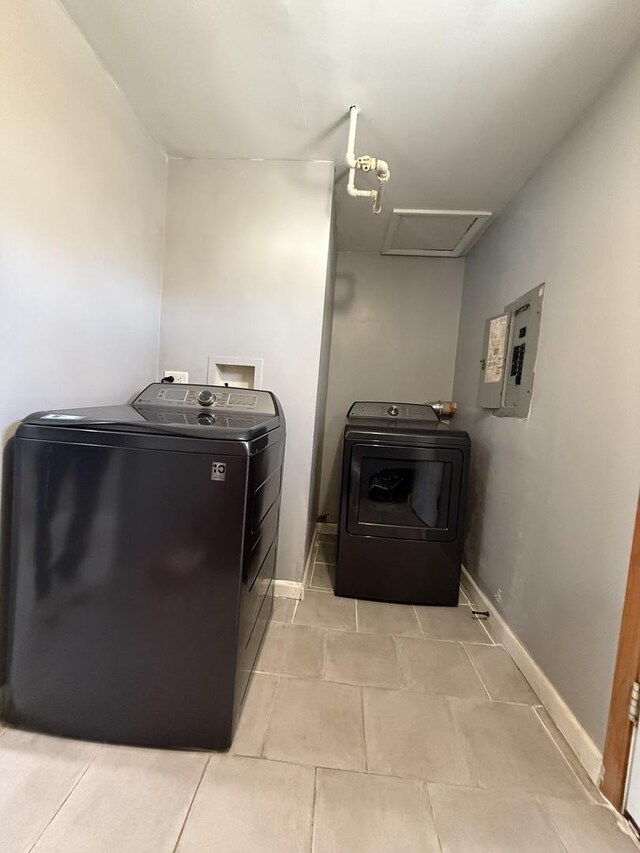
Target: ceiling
{"x":463,"y":98}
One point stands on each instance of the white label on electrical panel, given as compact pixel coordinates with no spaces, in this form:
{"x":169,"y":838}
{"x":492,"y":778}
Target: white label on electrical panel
{"x":62,"y":418}
{"x":218,"y":471}
{"x":496,"y":349}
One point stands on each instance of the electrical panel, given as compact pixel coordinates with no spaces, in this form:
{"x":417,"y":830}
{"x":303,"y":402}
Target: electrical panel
{"x":509,"y":354}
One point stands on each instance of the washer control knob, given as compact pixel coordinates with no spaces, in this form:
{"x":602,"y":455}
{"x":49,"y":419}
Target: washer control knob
{"x":205,"y":419}
{"x":394,"y":411}
{"x":206,"y":398}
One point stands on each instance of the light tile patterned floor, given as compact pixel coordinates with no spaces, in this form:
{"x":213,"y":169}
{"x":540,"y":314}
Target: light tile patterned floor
{"x":370,"y":728}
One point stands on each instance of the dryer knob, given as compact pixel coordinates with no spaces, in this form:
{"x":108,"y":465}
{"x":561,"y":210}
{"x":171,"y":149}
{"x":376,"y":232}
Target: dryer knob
{"x":394,"y":411}
{"x":206,"y":398}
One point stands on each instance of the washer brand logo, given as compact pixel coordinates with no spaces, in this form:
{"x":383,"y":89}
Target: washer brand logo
{"x":218,"y":471}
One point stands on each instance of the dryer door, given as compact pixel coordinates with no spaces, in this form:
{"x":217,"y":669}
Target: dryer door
{"x":404,"y":492}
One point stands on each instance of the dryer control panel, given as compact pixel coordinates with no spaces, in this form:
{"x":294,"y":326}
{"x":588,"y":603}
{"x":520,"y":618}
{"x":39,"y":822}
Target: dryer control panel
{"x":219,"y":398}
{"x":393,"y":411}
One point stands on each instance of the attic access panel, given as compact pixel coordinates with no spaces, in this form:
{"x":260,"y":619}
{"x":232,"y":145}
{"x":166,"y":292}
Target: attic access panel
{"x":434,"y":233}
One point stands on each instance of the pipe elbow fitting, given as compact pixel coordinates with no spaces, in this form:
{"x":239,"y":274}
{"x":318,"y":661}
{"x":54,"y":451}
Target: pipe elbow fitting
{"x":382,"y":171}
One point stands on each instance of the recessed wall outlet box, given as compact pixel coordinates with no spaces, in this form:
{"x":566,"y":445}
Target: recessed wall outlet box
{"x":235,"y":371}
{"x":180,"y":376}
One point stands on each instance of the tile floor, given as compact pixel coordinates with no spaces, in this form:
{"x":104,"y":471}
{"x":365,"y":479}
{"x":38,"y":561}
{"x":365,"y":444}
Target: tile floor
{"x":370,"y":728}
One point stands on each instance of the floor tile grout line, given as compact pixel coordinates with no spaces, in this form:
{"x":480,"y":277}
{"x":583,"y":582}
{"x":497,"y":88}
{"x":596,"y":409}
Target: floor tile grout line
{"x":489,"y":641}
{"x":473,"y":780}
{"x":427,"y":794}
{"x":308,"y":574}
{"x":269,"y":717}
{"x":313,"y":809}
{"x":471,"y":786}
{"x":191,"y":802}
{"x":311,"y":584}
{"x":355,"y":604}
{"x":486,"y":630}
{"x":364,"y":732}
{"x":358,"y":771}
{"x":539,"y":799}
{"x":514,"y":704}
{"x":325,"y":627}
{"x":272,"y":703}
{"x":564,"y":757}
{"x":521,"y":793}
{"x":477,"y":671}
{"x":401,"y":689}
{"x":404,"y":679}
{"x":545,"y":808}
{"x":325,"y":651}
{"x":64,"y":802}
{"x":415,"y":613}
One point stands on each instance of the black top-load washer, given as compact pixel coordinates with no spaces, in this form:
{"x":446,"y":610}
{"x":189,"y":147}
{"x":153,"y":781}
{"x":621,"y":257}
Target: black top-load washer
{"x":404,"y":487}
{"x":143,"y":551}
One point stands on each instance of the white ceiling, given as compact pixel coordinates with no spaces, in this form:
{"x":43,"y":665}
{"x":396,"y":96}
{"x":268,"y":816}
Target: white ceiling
{"x":463,"y":98}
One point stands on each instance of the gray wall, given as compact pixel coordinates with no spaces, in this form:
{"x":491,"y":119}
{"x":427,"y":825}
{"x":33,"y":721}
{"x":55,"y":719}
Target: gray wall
{"x":81,"y":226}
{"x":247,"y":249}
{"x":553,"y":497}
{"x":81,"y":223}
{"x":323,"y":387}
{"x":395,"y":326}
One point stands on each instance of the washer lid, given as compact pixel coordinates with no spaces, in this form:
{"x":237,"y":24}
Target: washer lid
{"x":175,"y":410}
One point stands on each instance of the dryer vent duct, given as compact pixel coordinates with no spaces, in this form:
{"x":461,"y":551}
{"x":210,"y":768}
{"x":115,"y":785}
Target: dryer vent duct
{"x":434,"y":233}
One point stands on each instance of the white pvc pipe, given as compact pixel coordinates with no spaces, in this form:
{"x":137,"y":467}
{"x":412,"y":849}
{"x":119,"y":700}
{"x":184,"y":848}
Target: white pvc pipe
{"x":351,"y":143}
{"x":350,"y":158}
{"x":351,"y":187}
{"x":380,"y":166}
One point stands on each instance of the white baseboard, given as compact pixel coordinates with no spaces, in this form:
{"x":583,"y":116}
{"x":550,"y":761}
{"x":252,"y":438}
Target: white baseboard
{"x":288,"y":589}
{"x":580,"y":741}
{"x":295,"y":589}
{"x":308,"y":566}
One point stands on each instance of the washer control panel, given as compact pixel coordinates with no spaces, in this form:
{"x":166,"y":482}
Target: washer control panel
{"x":206,"y":398}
